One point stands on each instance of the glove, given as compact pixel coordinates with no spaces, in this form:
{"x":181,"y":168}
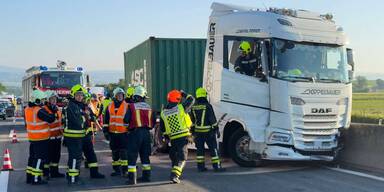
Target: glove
{"x":190,"y":139}
{"x":54,"y":108}
{"x":166,"y":139}
{"x":217,"y":131}
{"x":183,"y":94}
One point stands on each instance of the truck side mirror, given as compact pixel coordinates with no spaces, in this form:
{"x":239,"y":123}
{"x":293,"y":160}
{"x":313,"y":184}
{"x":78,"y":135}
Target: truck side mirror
{"x":350,"y":62}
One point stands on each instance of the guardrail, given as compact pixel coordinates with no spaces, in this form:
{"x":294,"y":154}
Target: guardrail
{"x":364,"y":147}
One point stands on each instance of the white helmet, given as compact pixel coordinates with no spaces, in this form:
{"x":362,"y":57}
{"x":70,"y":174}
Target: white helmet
{"x":118,"y":90}
{"x":140,"y":91}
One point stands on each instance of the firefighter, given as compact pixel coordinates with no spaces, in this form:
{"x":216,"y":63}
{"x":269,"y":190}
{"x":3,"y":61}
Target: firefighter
{"x":129,"y":95}
{"x":87,"y":142}
{"x":94,"y":104}
{"x":140,"y":122}
{"x":114,"y":119}
{"x":56,"y":134}
{"x":175,"y":123}
{"x":74,"y":118}
{"x":204,"y":130}
{"x":37,"y":120}
{"x":247,"y":62}
{"x":106,"y":101}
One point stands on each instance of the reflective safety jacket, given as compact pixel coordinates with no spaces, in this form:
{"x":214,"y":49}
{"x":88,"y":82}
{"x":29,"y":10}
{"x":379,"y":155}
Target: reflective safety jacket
{"x":37,"y":129}
{"x":55,"y":128}
{"x":95,"y":107}
{"x":106,"y":103}
{"x":203,"y":116}
{"x":141,"y":115}
{"x":73,"y":119}
{"x":176,"y":122}
{"x":116,"y":117}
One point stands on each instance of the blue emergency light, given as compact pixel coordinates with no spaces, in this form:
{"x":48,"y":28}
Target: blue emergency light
{"x":43,"y":68}
{"x":79,"y":69}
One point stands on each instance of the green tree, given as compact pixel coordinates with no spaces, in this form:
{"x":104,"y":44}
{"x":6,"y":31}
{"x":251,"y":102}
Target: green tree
{"x":360,"y":84}
{"x":2,"y":88}
{"x":111,"y":86}
{"x":379,"y":84}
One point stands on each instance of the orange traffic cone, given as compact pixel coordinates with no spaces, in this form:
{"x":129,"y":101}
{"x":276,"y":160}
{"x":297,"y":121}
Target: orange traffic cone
{"x":14,"y":137}
{"x":7,"y":165}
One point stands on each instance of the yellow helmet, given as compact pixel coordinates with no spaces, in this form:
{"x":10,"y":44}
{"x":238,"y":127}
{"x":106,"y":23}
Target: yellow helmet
{"x":245,"y":47}
{"x":130,"y":92}
{"x":77,"y":88}
{"x":201,"y":92}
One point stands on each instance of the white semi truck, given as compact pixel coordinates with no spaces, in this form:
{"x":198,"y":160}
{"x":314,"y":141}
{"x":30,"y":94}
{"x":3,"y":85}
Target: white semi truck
{"x":295,"y":105}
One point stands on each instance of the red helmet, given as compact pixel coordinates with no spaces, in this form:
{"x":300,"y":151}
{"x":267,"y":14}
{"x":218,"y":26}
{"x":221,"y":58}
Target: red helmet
{"x":174,"y":96}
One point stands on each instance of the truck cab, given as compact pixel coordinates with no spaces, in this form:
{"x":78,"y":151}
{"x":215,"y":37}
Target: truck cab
{"x":288,"y":97}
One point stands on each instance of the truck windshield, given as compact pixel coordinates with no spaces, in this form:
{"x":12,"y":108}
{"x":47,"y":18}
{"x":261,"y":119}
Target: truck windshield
{"x":295,"y":61}
{"x":60,"y":79}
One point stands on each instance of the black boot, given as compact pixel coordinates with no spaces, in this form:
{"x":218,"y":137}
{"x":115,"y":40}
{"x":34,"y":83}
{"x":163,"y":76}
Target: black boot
{"x":54,"y":172}
{"x":201,"y":167}
{"x":94,"y":172}
{"x":132,"y":178}
{"x":39,"y":181}
{"x":124,"y":171}
{"x":29,"y":178}
{"x":46,"y":173}
{"x":73,"y":180}
{"x":174,"y":178}
{"x":146,"y":177}
{"x":116,"y":169}
{"x":217,"y":167}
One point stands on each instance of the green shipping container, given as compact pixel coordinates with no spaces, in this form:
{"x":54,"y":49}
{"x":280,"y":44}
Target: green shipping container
{"x":163,"y":64}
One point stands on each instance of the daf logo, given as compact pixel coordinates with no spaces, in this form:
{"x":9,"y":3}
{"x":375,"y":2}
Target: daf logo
{"x":321,"y":110}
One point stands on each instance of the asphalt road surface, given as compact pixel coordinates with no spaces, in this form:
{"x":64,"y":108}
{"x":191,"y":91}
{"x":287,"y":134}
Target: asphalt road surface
{"x":276,"y":176}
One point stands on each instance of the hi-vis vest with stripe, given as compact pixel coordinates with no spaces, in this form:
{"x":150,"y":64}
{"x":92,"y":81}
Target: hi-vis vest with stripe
{"x":141,"y":115}
{"x":55,"y":128}
{"x":199,"y":112}
{"x":37,"y":129}
{"x":176,"y":122}
{"x":116,"y":118}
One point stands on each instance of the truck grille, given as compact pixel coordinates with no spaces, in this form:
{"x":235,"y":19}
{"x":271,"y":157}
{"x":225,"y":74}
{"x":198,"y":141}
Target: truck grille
{"x":315,"y":132}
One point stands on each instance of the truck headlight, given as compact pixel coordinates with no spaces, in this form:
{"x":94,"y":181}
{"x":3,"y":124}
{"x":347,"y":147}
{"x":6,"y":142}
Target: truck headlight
{"x":342,"y":101}
{"x":297,"y":101}
{"x":280,"y":137}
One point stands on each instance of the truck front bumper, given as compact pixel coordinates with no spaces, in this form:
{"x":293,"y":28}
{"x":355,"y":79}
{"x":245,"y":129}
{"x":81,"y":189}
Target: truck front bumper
{"x":273,"y":152}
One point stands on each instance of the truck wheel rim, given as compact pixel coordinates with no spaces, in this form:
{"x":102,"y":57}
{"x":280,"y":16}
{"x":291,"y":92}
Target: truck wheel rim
{"x":242,"y":148}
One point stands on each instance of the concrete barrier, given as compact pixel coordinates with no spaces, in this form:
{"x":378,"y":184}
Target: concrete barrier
{"x":364,"y":147}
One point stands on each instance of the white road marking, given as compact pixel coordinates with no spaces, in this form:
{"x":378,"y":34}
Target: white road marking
{"x":356,"y":173}
{"x":4,"y":177}
{"x":262,"y":170}
{"x":105,"y":141}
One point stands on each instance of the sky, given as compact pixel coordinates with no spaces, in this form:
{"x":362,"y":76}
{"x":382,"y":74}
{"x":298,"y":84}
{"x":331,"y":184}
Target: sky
{"x":95,"y":33}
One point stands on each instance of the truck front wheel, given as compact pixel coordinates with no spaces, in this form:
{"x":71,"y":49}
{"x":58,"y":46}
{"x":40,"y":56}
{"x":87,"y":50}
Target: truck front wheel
{"x":238,"y":146}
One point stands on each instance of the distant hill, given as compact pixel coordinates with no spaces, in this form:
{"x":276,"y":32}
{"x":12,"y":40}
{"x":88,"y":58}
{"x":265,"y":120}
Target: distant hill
{"x":104,"y":77}
{"x":12,"y":76}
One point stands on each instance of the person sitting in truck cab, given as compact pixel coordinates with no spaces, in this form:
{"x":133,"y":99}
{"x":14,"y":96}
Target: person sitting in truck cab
{"x":247,"y":63}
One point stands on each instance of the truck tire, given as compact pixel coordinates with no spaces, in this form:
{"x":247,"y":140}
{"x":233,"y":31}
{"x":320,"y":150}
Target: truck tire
{"x":237,"y":146}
